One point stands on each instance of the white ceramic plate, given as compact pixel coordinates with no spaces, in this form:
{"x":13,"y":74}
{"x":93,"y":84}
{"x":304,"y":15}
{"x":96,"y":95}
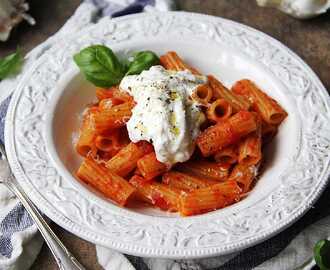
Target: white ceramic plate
{"x":44,"y":114}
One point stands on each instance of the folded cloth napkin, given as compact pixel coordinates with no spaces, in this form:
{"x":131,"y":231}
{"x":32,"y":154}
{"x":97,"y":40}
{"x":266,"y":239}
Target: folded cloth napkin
{"x":20,"y":242}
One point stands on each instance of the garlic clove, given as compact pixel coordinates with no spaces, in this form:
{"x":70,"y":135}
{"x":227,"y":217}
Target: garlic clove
{"x":12,"y":12}
{"x":301,"y":9}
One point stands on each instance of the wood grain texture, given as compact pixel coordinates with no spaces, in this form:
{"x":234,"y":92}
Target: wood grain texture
{"x":309,"y":39}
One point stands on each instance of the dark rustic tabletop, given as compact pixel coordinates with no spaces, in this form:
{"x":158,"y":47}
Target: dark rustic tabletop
{"x":309,"y":39}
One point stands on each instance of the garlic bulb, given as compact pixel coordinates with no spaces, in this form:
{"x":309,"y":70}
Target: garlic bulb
{"x":12,"y":12}
{"x":301,"y":9}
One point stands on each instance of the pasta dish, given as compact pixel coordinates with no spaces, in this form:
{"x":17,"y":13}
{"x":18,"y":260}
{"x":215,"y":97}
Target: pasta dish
{"x":172,"y":137}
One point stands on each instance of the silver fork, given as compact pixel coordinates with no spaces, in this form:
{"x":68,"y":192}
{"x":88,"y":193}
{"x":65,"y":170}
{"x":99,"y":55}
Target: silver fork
{"x":63,"y":257}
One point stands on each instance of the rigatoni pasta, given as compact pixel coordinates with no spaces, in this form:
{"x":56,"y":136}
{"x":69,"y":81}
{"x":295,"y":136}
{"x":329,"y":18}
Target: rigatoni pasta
{"x":107,"y":182}
{"x":85,"y":144}
{"x":244,"y":175}
{"x":149,"y":167}
{"x":202,"y":94}
{"x":219,"y":110}
{"x":108,"y":143}
{"x":112,"y":93}
{"x":270,"y":111}
{"x":208,"y":199}
{"x":237,"y":102}
{"x":205,"y":169}
{"x":250,"y":149}
{"x":185,"y":182}
{"x":126,"y":159}
{"x":102,"y":93}
{"x":114,"y":117}
{"x":155,"y":193}
{"x":172,"y":61}
{"x":216,"y":137}
{"x":225,"y":154}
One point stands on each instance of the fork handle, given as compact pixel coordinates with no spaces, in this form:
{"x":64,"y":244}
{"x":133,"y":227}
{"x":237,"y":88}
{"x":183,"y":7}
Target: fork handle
{"x":64,"y":259}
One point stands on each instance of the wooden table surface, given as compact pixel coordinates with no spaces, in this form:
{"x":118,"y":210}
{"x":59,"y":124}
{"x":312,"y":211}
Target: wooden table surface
{"x":309,"y":39}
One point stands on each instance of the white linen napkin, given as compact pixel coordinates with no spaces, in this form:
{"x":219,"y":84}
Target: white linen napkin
{"x":16,"y":231}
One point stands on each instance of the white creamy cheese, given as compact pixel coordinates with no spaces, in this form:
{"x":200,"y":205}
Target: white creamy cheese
{"x":165,"y":114}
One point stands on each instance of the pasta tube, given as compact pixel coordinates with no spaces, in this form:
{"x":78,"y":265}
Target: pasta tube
{"x":126,"y":159}
{"x":150,"y":167}
{"x":185,"y":182}
{"x":208,"y":199}
{"x":202,"y":94}
{"x":219,"y":110}
{"x":225,"y":133}
{"x":237,"y":102}
{"x":172,"y":61}
{"x":270,"y":111}
{"x":244,"y":175}
{"x":115,"y":117}
{"x":205,"y":169}
{"x":86,"y":140}
{"x":157,"y":194}
{"x":105,"y":181}
{"x":228,"y":155}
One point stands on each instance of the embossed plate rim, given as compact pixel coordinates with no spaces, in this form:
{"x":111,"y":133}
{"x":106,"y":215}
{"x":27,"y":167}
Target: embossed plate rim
{"x":130,"y":247}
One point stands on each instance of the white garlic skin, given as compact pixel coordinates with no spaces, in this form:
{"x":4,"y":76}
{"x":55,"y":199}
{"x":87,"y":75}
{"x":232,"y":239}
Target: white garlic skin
{"x":12,"y":12}
{"x":301,"y":9}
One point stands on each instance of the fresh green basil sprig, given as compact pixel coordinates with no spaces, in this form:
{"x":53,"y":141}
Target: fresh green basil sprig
{"x":100,"y":65}
{"x":142,"y":61}
{"x":104,"y":69}
{"x":322,"y":254}
{"x":10,"y":64}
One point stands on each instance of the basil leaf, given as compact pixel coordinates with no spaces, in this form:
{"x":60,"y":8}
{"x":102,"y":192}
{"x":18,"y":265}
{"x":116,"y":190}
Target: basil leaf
{"x":100,"y":65}
{"x":322,"y":254}
{"x":11,"y":64}
{"x":125,"y":62}
{"x":142,"y":61}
